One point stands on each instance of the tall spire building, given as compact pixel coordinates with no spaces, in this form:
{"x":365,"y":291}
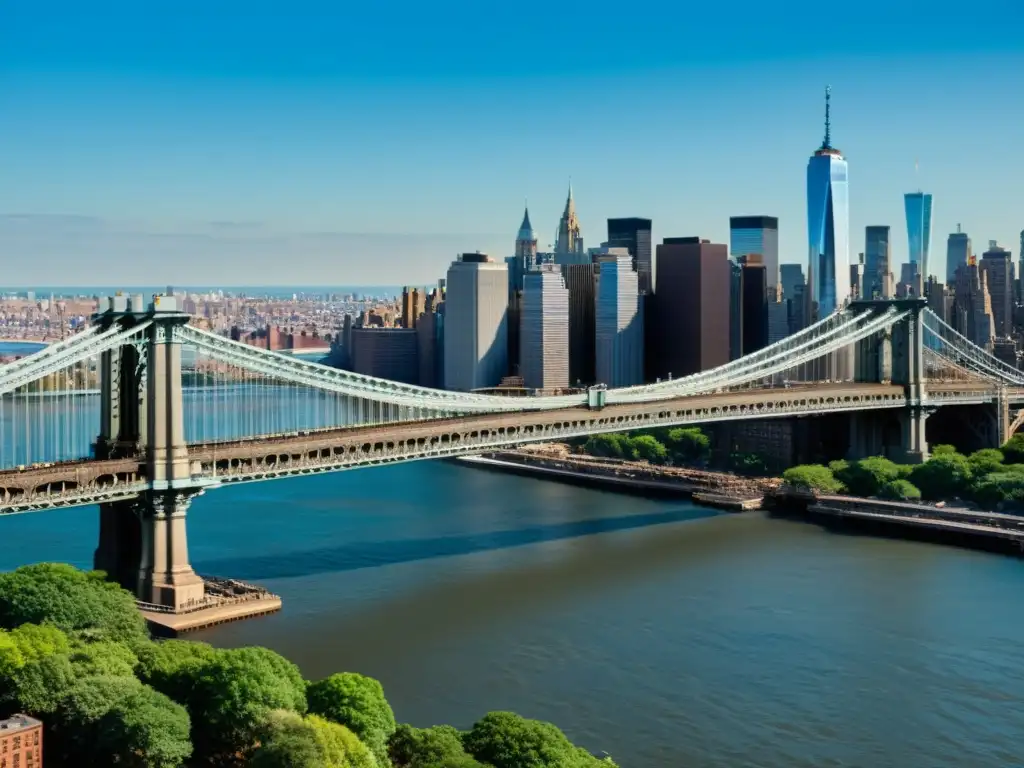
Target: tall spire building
{"x":569,"y":239}
{"x":526,"y":240}
{"x":919,"y":231}
{"x":828,"y":226}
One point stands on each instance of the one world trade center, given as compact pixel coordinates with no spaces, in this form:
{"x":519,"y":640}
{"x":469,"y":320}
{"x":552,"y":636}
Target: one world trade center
{"x":828,"y":227}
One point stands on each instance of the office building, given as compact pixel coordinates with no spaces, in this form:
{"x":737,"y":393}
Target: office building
{"x":618,"y":325}
{"x":476,"y":323}
{"x":387,"y":353}
{"x":877,"y":262}
{"x":526,"y":239}
{"x":634,"y":234}
{"x":940,"y":298}
{"x":828,"y":226}
{"x":857,"y":278}
{"x":426,"y":349}
{"x":693,"y":285}
{"x":569,"y":239}
{"x":544,"y":330}
{"x":21,"y":742}
{"x":972,"y":305}
{"x":997,"y":267}
{"x":791,"y":276}
{"x":756,"y":234}
{"x":581,"y":283}
{"x":778,"y":316}
{"x":918,"y":206}
{"x":735,"y":310}
{"x":958,"y":251}
{"x":754,"y":303}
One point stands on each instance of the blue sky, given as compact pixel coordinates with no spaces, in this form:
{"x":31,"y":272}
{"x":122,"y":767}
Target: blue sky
{"x":308,"y":142}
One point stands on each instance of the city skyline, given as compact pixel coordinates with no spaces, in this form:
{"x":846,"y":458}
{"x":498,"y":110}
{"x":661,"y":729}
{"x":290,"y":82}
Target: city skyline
{"x":208,"y":152}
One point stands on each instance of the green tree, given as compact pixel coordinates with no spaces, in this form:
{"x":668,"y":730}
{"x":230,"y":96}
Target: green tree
{"x":688,"y":444}
{"x":120,"y":721}
{"x":943,"y":476}
{"x":358,"y":703}
{"x":507,"y":740}
{"x":747,"y":463}
{"x":867,"y":476}
{"x":37,"y":688}
{"x":173,"y":666}
{"x":411,"y":747}
{"x":899,"y":490}
{"x":998,"y":487}
{"x":287,"y":741}
{"x":648,"y":449}
{"x":103,"y":658}
{"x":69,"y":599}
{"x":232,"y":694}
{"x":986,"y":460}
{"x":610,"y":446}
{"x":942,"y":449}
{"x":812,"y":477}
{"x":1013,"y":449}
{"x":342,"y":748}
{"x":838,"y":466}
{"x":27,"y":644}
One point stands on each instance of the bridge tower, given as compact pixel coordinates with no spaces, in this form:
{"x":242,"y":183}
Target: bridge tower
{"x":895,"y":356}
{"x":143,"y":542}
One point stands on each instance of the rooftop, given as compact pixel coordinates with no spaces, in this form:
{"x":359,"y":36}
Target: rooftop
{"x":18,"y":723}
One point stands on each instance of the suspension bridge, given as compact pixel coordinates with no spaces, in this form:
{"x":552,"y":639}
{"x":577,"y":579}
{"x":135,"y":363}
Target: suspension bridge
{"x":141,"y":412}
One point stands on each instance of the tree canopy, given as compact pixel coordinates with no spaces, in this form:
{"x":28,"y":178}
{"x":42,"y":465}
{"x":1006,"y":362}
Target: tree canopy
{"x":899,"y":490}
{"x":1013,"y":449}
{"x":867,"y":476}
{"x":69,"y":599}
{"x":943,"y":476}
{"x":812,"y":477}
{"x":986,"y":460}
{"x":411,"y":747}
{"x":358,"y":703}
{"x":508,"y":740}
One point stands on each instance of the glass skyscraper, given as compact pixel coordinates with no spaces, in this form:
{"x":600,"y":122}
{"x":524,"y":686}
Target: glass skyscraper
{"x":756,"y":234}
{"x":919,"y":230}
{"x":828,"y":227}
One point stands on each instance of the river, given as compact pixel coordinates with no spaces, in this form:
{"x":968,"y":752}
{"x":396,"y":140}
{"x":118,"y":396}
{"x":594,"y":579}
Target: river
{"x":664,"y":633}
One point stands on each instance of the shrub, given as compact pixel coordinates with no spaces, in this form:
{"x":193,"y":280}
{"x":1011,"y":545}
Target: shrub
{"x":647,"y":448}
{"x":688,"y":444}
{"x":900,"y":490}
{"x":507,"y":740}
{"x":411,"y":747}
{"x":812,"y":477}
{"x":997,"y":487}
{"x":942,"y":449}
{"x":943,"y":476}
{"x":1013,"y":449}
{"x":984,"y":461}
{"x":867,"y":476}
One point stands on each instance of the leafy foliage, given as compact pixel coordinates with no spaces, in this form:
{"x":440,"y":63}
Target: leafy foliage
{"x":747,"y":464}
{"x":688,"y":444}
{"x":173,"y":666}
{"x":357,"y":702}
{"x":943,"y":476}
{"x":867,"y":476}
{"x":232,"y":694}
{"x":943,"y":449}
{"x":103,"y":658}
{"x":27,"y":644}
{"x":411,"y":747}
{"x":119,"y":721}
{"x":986,"y":460}
{"x":37,"y":688}
{"x":997,"y":487}
{"x":812,"y":477}
{"x":69,"y":599}
{"x":1013,"y":449}
{"x":341,"y":747}
{"x":288,"y":740}
{"x":609,"y":446}
{"x":900,"y":490}
{"x":646,"y":448}
{"x":507,"y":740}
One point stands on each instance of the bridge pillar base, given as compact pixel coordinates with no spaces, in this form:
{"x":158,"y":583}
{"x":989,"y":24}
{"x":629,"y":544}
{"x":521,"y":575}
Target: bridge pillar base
{"x":119,"y":550}
{"x":165,"y":577}
{"x":914,"y":446}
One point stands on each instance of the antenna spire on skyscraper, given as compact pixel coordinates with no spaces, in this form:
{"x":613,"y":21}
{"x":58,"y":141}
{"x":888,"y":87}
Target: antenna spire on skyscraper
{"x":828,"y":121}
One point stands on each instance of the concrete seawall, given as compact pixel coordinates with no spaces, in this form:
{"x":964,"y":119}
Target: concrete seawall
{"x":958,"y":526}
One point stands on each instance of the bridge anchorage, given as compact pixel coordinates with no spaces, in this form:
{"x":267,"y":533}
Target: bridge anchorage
{"x":142,"y":412}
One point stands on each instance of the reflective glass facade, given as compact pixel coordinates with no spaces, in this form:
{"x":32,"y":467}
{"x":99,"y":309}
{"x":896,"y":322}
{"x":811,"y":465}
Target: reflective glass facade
{"x":756,"y":234}
{"x":919,"y":229}
{"x":828,"y":230}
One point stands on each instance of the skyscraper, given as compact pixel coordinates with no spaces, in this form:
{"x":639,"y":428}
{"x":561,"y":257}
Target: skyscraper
{"x":919,"y":230}
{"x":581,"y":281}
{"x":997,"y":267}
{"x":756,"y":234}
{"x":544,"y":330}
{"x":692,"y":306}
{"x":619,"y":337}
{"x":877,"y":262}
{"x":791,"y":276}
{"x":754,"y":302}
{"x":476,"y":323}
{"x":526,"y":240}
{"x":569,"y":239}
{"x":958,"y":251}
{"x":635,"y":234}
{"x":828,"y":226}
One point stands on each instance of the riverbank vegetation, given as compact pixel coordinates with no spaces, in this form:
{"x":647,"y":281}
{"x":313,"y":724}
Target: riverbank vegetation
{"x":75,"y":653}
{"x":676,"y":446}
{"x":989,"y":478}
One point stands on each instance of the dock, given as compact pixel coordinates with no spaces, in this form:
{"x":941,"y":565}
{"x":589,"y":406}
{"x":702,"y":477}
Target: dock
{"x":226,"y":600}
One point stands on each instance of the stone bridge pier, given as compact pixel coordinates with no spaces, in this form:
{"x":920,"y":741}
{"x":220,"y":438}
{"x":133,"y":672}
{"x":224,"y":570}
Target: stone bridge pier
{"x":143,"y":542}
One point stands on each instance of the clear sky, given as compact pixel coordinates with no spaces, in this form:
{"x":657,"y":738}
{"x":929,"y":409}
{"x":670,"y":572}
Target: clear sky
{"x":342,"y":143}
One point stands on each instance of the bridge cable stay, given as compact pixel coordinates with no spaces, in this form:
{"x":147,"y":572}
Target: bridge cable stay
{"x":331,"y":379}
{"x":48,"y":352}
{"x":763,"y":367}
{"x":939,"y":335}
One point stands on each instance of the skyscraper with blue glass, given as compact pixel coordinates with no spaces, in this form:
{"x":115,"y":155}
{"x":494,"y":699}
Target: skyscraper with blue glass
{"x":919,"y":230}
{"x":828,"y":227}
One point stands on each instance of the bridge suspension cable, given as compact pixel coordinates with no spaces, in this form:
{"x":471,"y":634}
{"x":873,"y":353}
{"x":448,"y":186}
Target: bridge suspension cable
{"x":944,"y":340}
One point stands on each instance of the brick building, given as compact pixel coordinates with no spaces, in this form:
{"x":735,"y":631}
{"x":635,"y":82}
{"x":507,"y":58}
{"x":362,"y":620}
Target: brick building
{"x":21,"y":742}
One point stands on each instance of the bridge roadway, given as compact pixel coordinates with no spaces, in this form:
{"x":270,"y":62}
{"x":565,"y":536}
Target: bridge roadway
{"x":262,"y":458}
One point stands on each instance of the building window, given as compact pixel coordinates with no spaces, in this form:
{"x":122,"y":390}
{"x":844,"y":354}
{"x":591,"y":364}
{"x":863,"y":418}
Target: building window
{"x":35,"y":739}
